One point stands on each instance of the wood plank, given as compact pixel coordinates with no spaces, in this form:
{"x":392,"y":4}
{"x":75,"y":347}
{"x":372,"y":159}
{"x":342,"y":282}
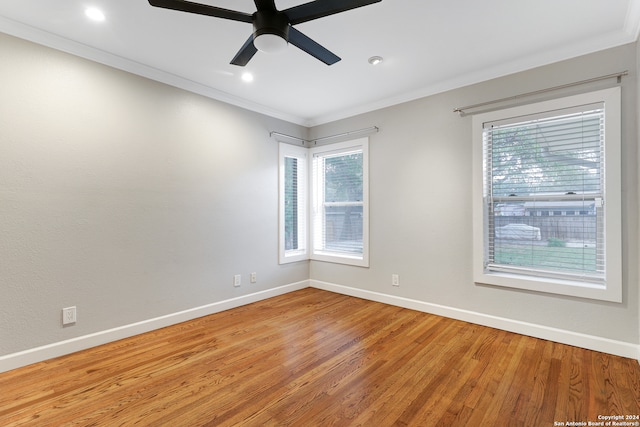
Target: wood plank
{"x":316,"y":358}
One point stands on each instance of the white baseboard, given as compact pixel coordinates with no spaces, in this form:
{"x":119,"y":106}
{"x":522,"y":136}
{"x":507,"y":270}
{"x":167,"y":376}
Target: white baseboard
{"x":39,"y":354}
{"x":605,"y":345}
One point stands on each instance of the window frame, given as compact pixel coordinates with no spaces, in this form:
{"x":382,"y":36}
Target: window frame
{"x":315,"y":218}
{"x":302,"y":253}
{"x":612,"y":288}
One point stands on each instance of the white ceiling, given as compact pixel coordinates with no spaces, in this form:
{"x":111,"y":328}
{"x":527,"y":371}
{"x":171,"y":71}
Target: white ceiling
{"x":428,"y":46}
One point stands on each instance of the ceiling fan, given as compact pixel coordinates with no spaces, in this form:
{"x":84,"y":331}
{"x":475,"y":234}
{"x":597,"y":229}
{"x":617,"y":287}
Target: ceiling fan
{"x":272,"y":28}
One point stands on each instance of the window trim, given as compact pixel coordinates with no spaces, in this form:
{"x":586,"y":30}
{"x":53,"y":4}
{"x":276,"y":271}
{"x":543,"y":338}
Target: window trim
{"x":612,"y":290}
{"x":287,"y":256}
{"x":335,"y":257}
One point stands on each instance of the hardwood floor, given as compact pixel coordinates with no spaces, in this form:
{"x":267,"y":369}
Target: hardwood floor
{"x":315,"y":358}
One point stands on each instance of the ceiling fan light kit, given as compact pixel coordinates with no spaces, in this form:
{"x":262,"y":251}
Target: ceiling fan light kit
{"x":272,"y":28}
{"x":270,"y":43}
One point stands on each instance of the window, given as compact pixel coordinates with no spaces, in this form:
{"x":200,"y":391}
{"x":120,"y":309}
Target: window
{"x":536,"y":166}
{"x":335,"y":180}
{"x":293,"y":203}
{"x":339,"y":193}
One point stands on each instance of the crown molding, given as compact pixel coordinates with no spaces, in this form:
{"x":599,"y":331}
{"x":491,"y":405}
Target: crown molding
{"x":561,"y":53}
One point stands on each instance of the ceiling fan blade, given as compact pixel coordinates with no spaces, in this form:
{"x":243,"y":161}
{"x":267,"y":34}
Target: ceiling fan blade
{"x":245,"y":53}
{"x":202,"y":9}
{"x":303,"y":42}
{"x":265,"y":4}
{"x":318,"y":9}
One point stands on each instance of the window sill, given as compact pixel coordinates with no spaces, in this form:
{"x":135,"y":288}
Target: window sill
{"x":294,"y":257}
{"x":552,"y":286}
{"x":357,"y":261}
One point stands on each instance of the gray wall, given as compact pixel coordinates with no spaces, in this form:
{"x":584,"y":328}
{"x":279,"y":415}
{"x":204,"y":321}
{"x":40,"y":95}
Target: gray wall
{"x":131,"y":200}
{"x":420,"y":192}
{"x":127,"y":198}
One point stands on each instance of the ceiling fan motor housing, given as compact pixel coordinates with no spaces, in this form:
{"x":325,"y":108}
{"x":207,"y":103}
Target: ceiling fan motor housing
{"x":271,"y":22}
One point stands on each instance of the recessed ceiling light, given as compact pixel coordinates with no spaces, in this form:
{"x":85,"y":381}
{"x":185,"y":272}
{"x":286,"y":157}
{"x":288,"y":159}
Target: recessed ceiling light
{"x":94,"y":14}
{"x":247,"y":77}
{"x":375,"y":60}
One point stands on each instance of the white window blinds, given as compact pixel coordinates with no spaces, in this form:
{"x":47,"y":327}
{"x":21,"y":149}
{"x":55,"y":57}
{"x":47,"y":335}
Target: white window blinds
{"x":544,"y":194}
{"x":293,"y":203}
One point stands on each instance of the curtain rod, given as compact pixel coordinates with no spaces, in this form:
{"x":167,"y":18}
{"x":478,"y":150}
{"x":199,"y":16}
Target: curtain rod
{"x":295,"y":138}
{"x":367,"y":131}
{"x":536,"y":92}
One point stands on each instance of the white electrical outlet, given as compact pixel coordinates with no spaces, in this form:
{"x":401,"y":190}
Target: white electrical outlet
{"x":69,"y":315}
{"x":395,"y":280}
{"x":237,"y":280}
{"x":253,"y":277}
